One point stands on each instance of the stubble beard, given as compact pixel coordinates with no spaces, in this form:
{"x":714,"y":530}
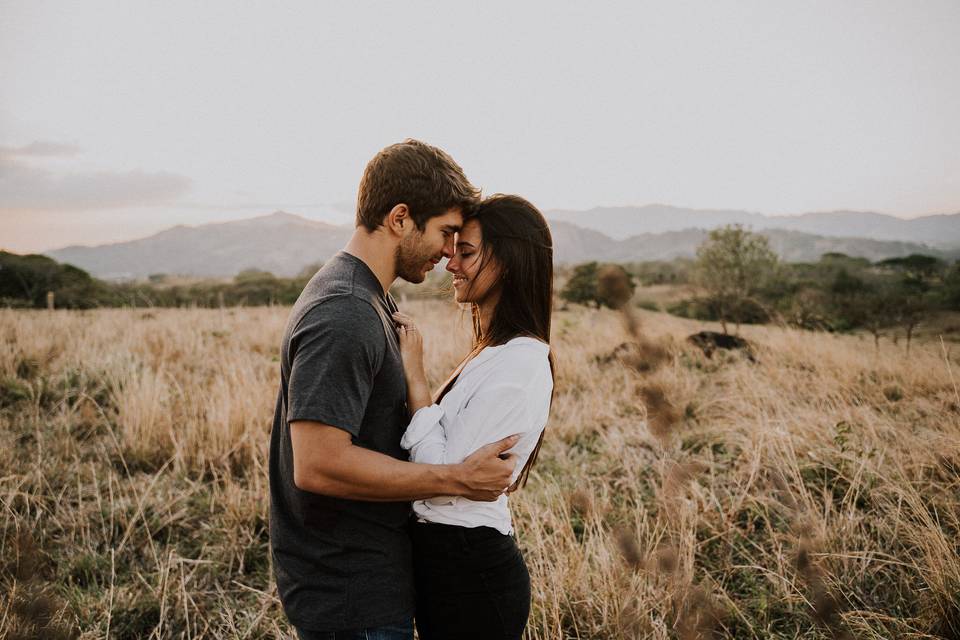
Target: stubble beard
{"x":410,"y":258}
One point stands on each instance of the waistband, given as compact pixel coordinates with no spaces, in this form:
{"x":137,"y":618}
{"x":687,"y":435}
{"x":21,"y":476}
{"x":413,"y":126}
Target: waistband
{"x":470,"y":533}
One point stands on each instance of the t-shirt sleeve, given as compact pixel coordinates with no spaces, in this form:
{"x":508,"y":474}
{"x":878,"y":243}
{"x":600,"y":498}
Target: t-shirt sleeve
{"x":335,"y":353}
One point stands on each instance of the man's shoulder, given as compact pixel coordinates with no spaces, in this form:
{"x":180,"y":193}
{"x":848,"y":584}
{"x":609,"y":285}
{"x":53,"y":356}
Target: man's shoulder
{"x":343,"y":275}
{"x":338,"y":301}
{"x":345,"y":310}
{"x":337,"y":277}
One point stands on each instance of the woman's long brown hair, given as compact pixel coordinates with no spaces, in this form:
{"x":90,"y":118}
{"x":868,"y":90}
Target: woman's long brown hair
{"x":517,"y":237}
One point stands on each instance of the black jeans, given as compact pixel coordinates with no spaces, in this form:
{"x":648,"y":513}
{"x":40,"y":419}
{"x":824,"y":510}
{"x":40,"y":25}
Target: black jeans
{"x":471,"y":583}
{"x":402,"y":630}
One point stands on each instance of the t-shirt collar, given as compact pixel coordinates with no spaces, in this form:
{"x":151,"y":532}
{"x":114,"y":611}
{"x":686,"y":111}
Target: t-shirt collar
{"x":365,"y":274}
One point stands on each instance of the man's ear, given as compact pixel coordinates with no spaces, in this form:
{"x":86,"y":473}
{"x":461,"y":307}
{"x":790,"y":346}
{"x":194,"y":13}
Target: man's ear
{"x":398,"y":220}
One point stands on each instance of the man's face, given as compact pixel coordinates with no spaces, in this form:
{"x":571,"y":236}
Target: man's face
{"x":420,"y":251}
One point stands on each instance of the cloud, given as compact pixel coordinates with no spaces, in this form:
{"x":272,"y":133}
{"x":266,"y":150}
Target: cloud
{"x":40,"y":148}
{"x":26,"y":187}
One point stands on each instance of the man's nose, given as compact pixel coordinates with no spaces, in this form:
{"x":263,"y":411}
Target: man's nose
{"x":448,"y":248}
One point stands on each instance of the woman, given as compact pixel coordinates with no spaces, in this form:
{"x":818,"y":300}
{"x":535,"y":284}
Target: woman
{"x":471,"y":579}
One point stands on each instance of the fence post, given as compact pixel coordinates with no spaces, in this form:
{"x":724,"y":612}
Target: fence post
{"x":50,"y":300}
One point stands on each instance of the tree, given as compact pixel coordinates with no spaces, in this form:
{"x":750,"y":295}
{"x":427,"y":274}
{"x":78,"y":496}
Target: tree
{"x":913,"y":292}
{"x":732,"y":265}
{"x":862,"y":300}
{"x":615,"y":286}
{"x":950,"y":294}
{"x":28,"y":278}
{"x":608,"y":285}
{"x":253,"y":287}
{"x":581,"y":288}
{"x":307,"y":272}
{"x":805,"y":309}
{"x":916,"y":266}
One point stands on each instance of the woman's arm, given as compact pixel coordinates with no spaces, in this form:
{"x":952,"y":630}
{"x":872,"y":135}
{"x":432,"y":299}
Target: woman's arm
{"x":493,"y":409}
{"x":424,"y":437}
{"x":411,"y":350}
{"x":497,"y":407}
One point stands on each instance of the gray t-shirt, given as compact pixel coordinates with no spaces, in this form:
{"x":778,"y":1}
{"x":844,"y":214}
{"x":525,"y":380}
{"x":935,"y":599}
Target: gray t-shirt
{"x":340,"y":564}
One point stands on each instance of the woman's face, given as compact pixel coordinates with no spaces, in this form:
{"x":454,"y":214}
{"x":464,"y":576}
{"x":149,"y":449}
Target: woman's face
{"x":471,"y":283}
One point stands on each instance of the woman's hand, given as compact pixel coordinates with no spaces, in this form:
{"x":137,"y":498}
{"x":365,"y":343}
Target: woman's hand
{"x":411,"y":345}
{"x":411,"y":350}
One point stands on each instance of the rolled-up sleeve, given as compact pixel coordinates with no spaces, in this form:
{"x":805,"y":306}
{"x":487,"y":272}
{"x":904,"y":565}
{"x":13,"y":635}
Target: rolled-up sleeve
{"x":491,"y":414}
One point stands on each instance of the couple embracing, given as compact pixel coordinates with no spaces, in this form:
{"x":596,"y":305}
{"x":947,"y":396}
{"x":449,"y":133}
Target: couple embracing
{"x":358,"y":435}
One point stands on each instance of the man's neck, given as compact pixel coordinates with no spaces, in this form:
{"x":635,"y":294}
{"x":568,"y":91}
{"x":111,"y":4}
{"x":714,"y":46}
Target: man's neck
{"x":377,"y":252}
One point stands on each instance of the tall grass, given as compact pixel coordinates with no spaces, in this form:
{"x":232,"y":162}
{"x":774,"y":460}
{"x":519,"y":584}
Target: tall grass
{"x":811,"y":493}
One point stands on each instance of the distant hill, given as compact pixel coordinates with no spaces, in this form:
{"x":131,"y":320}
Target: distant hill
{"x":941,"y":231}
{"x":283,"y":244}
{"x":791,"y":246}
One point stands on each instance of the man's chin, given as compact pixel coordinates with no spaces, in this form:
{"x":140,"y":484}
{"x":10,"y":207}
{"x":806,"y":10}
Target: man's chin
{"x":413,"y":278}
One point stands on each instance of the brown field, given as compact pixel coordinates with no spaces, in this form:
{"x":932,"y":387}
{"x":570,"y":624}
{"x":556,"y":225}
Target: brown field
{"x":811,"y":493}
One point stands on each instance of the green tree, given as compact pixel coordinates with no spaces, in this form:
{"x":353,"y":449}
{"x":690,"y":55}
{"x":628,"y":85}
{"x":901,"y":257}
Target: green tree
{"x":607,"y":285}
{"x":733,"y":265}
{"x":949,"y":297}
{"x":253,"y":287}
{"x":916,"y":266}
{"x":307,"y":272}
{"x":26,"y":279}
{"x":581,"y":288}
{"x":862,"y":300}
{"x":914,"y":291}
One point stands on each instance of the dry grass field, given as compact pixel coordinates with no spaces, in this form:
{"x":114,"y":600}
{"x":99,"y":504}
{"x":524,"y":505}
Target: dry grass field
{"x":809,"y":491}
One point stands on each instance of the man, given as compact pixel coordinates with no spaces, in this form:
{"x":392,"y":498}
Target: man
{"x":340,"y":485}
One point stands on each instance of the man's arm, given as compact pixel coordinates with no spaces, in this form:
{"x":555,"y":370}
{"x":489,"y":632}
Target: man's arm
{"x":325,"y":461}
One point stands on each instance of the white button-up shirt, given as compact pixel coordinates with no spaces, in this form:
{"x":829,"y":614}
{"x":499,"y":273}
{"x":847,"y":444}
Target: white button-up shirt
{"x":504,"y":390}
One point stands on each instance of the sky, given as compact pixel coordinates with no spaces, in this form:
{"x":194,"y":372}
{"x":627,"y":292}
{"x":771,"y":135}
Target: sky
{"x":119,"y":119}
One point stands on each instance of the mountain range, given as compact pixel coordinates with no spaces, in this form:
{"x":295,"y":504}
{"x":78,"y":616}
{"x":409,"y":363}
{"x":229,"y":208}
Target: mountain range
{"x":284,"y":243}
{"x":939,"y":231}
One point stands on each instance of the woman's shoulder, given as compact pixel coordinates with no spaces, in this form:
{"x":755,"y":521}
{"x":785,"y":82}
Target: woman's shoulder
{"x":522,"y":348}
{"x":527,"y":341}
{"x":520,"y":359}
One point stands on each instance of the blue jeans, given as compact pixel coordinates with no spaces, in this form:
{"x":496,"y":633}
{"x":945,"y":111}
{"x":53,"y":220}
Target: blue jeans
{"x":399,"y":631}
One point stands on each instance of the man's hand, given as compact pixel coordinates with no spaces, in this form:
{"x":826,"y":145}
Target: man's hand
{"x":485,"y":474}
